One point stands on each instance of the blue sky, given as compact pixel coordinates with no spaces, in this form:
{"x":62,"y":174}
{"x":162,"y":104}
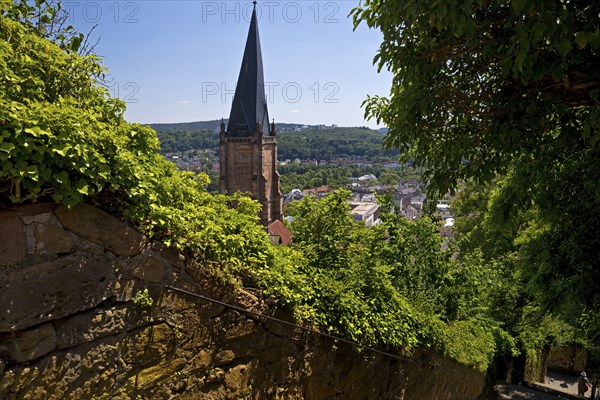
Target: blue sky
{"x":178,"y":61}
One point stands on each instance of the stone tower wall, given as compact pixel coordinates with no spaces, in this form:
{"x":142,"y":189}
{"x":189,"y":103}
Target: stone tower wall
{"x":249,"y":164}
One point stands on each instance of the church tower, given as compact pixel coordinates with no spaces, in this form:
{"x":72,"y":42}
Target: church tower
{"x":248,"y":146}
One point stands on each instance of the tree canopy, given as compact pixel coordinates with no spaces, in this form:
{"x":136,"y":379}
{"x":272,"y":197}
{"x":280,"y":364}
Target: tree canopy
{"x":480,"y":84}
{"x":391,"y":284}
{"x":506,"y":92}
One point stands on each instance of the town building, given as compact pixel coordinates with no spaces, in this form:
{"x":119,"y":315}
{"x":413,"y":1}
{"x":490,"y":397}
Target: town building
{"x":368,"y":213}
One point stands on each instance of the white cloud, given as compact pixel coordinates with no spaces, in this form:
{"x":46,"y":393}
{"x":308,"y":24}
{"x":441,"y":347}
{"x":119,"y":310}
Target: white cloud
{"x":182,"y":102}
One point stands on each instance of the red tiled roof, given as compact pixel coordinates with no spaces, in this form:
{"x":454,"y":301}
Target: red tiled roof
{"x":276,"y":228}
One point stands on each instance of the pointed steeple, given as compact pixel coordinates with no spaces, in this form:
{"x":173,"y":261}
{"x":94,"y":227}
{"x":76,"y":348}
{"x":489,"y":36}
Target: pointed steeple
{"x":249,"y":108}
{"x":248,"y":147}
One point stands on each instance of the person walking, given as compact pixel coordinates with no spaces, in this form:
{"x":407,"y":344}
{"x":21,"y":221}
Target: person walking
{"x":583,"y":384}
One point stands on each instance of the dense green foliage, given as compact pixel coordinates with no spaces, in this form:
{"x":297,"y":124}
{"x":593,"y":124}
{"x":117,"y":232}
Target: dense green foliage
{"x":506,"y":93}
{"x":479,"y":85}
{"x":512,"y":303}
{"x":390,"y":284}
{"x":54,"y":122}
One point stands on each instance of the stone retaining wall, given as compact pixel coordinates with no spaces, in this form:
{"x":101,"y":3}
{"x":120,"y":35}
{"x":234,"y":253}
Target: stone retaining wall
{"x":571,"y":359}
{"x":73,"y":326}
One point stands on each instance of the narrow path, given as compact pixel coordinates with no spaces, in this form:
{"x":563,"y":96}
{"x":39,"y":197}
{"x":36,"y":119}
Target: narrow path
{"x":563,"y":382}
{"x":507,"y":391}
{"x":558,"y":385}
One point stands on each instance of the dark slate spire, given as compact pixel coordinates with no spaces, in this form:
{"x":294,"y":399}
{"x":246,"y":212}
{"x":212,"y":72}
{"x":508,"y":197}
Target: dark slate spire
{"x":249,"y":103}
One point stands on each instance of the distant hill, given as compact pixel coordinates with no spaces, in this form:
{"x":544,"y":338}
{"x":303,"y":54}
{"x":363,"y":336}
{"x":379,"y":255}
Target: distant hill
{"x":213,"y":126}
{"x":327,"y":143}
{"x":188,"y":126}
{"x":318,"y":142}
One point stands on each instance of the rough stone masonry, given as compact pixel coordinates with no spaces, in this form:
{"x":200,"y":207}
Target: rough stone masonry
{"x":71,"y":327}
